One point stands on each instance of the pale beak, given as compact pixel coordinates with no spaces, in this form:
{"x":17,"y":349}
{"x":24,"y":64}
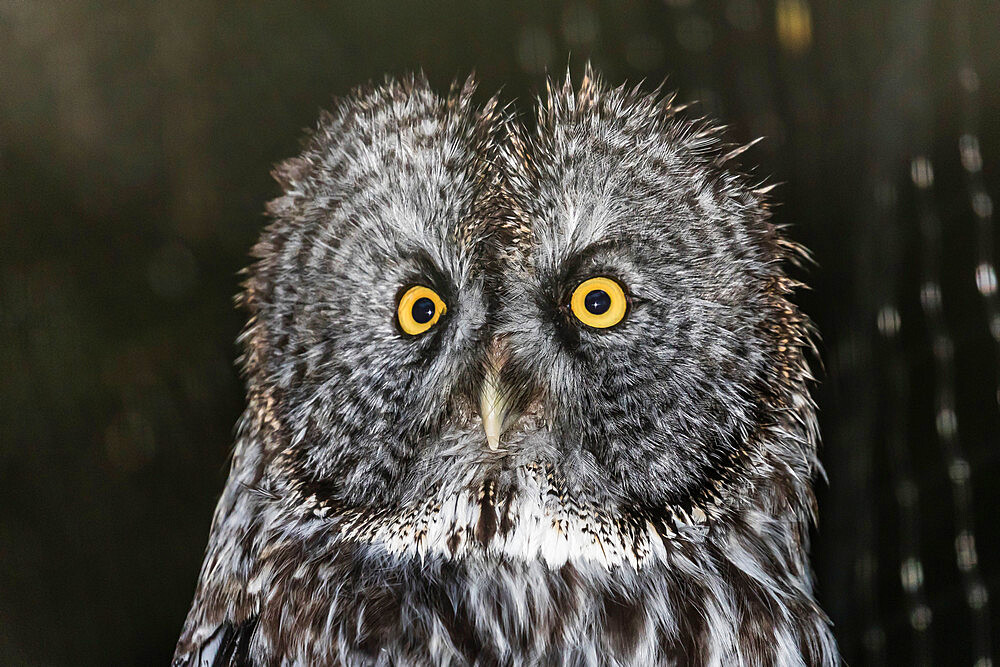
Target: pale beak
{"x":493,"y":401}
{"x":491,"y":411}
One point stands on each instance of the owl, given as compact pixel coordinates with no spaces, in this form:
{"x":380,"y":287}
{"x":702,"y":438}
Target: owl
{"x":516,"y":396}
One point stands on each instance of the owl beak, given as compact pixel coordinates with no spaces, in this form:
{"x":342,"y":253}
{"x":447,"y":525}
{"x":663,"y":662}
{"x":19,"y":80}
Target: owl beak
{"x":491,"y":410}
{"x":493,"y":399}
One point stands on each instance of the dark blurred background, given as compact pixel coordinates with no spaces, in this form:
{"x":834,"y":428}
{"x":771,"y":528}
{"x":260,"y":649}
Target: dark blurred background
{"x":135,"y":144}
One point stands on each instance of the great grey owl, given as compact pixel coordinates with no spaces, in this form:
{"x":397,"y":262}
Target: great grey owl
{"x":516,"y":397}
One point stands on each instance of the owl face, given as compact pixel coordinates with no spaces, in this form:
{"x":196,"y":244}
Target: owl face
{"x":455,"y":317}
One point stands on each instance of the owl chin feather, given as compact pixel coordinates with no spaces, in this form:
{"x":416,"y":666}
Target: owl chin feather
{"x":453,"y":455}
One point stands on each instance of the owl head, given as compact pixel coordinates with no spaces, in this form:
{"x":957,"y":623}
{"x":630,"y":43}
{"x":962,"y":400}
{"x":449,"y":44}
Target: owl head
{"x":457,"y":322}
{"x":516,"y":394}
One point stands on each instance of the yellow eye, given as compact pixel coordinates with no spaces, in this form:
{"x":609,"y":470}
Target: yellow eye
{"x":419,"y":309}
{"x":599,"y":303}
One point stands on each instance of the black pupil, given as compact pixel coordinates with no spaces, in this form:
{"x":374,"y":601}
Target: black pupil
{"x":423,"y":310}
{"x":597,"y":301}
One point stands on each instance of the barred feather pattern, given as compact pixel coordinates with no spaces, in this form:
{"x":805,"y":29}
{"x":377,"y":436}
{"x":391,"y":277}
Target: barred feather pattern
{"x":651,"y":501}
